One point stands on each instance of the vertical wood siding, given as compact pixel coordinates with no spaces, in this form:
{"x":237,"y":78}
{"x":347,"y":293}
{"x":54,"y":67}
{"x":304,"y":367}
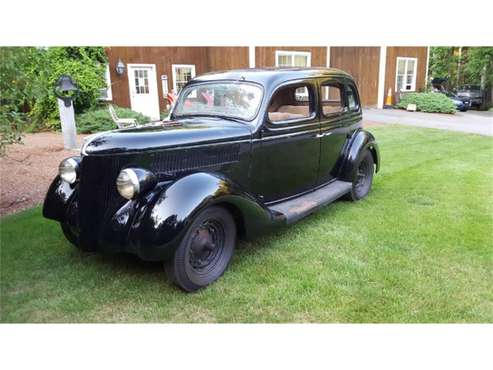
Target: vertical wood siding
{"x":224,"y":58}
{"x":362,"y":63}
{"x":265,"y":56}
{"x":405,"y":51}
{"x":205,"y":59}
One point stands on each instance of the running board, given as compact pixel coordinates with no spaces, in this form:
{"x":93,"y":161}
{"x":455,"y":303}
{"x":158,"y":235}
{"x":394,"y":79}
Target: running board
{"x":297,"y":208}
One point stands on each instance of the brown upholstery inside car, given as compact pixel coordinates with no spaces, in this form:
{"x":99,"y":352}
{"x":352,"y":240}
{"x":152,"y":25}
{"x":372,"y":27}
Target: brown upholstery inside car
{"x":303,"y":110}
{"x":284,"y":106}
{"x":329,"y":107}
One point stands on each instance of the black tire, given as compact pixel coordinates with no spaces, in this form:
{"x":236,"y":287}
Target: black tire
{"x":363,"y":177}
{"x":205,"y":251}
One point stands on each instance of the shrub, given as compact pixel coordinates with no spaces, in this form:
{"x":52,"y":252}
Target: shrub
{"x":17,"y":92}
{"x":100,"y":120}
{"x":86,"y":66}
{"x":428,"y":102}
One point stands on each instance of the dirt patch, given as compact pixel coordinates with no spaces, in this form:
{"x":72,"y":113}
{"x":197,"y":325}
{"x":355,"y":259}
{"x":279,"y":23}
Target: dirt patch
{"x":28,"y":169}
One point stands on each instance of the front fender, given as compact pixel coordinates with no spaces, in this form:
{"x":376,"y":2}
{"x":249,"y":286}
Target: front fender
{"x":164,"y":224}
{"x":57,"y":199}
{"x":358,"y":143}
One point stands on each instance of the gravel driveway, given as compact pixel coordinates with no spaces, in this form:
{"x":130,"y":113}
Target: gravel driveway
{"x":472,"y":121}
{"x":28,"y":169}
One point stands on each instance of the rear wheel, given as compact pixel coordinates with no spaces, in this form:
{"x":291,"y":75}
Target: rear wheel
{"x":205,"y":251}
{"x":363,"y":177}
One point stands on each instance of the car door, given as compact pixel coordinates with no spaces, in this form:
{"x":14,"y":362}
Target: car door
{"x":334,"y":126}
{"x":285,"y":156}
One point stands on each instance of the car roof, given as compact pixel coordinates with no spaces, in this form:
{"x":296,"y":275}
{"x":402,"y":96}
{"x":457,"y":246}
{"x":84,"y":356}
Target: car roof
{"x":270,"y":76}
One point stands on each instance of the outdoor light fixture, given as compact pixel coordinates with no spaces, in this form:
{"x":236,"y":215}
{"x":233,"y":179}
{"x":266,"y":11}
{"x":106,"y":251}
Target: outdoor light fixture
{"x":120,"y":67}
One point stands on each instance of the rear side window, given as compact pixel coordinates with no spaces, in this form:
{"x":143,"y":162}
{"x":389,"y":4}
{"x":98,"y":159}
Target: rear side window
{"x":332,"y":99}
{"x":291,"y":103}
{"x":352,"y":98}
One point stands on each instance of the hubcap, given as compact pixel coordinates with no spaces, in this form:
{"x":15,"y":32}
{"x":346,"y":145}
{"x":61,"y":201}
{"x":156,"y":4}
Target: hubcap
{"x":206,"y":245}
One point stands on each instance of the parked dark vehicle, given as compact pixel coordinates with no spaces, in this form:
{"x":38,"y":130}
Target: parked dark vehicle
{"x":462,"y":103}
{"x":473,"y":92}
{"x":244,"y":152}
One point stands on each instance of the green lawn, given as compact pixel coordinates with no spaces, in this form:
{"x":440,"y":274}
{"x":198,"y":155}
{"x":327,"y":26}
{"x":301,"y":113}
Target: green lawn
{"x":418,"y":249}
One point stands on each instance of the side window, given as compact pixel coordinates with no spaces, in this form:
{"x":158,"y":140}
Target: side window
{"x":331,"y":99}
{"x":291,"y":103}
{"x":352,"y":98}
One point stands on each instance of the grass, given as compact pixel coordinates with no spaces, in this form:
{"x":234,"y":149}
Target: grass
{"x":418,"y":249}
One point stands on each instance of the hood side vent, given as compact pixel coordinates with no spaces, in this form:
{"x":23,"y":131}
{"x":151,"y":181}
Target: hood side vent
{"x":174,"y":161}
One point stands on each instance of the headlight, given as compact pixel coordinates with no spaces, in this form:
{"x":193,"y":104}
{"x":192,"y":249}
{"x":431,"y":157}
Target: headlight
{"x":69,"y":169}
{"x":134,"y":181}
{"x":127,"y":183}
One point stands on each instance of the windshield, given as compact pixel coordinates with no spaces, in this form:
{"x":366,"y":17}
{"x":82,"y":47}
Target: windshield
{"x":227,"y":99}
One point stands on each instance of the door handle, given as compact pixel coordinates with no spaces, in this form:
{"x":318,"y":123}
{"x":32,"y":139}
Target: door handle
{"x":323,"y":134}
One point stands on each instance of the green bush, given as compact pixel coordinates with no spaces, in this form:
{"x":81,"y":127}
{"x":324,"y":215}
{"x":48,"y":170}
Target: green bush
{"x":428,"y":102}
{"x":100,"y":120}
{"x":86,"y":66}
{"x":17,"y":92}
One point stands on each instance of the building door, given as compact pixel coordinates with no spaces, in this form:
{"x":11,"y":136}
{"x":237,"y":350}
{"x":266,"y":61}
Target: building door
{"x":143,"y":89}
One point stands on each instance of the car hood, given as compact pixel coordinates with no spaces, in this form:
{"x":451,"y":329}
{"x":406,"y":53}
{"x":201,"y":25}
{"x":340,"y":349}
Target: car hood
{"x":167,"y":134}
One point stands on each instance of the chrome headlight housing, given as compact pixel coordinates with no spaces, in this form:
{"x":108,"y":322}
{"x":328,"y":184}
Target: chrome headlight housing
{"x":69,"y":169}
{"x":133,"y":181}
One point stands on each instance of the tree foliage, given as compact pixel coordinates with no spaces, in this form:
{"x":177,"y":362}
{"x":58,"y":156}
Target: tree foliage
{"x":462,"y":65}
{"x":86,"y":67}
{"x":17,"y":92}
{"x":27,"y":79}
{"x":480,"y":65}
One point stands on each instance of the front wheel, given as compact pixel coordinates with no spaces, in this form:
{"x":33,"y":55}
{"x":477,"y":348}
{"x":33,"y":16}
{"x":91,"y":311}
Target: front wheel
{"x":363,"y":177}
{"x":205,"y":251}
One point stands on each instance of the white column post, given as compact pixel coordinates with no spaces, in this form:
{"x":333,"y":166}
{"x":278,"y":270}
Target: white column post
{"x":251,"y":56}
{"x":328,"y":56}
{"x":427,"y":65}
{"x":67,"y":119}
{"x":381,"y":76}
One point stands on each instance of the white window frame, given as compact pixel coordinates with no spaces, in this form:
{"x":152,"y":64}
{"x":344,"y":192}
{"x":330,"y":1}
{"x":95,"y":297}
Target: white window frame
{"x":107,"y":78}
{"x":173,"y":69}
{"x":292,"y":54}
{"x":413,"y":83}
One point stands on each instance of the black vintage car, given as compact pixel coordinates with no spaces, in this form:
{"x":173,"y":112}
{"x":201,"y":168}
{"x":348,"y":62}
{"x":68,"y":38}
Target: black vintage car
{"x":244,"y":151}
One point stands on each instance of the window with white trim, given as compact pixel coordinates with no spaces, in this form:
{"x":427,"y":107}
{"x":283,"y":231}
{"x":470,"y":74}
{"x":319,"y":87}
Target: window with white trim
{"x":405,"y":74}
{"x":106,"y":93}
{"x":293,"y":58}
{"x":182,"y":73}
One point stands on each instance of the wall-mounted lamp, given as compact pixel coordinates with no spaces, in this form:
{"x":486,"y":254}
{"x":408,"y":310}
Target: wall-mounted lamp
{"x":120,"y":67}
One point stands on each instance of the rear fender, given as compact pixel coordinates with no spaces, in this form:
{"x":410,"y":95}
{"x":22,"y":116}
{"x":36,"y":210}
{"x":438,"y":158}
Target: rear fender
{"x":360,"y":141}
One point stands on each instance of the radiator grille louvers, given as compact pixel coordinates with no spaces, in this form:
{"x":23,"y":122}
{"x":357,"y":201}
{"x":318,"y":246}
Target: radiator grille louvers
{"x":172,"y":162}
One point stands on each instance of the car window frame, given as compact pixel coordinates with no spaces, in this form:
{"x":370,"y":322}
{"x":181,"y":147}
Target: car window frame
{"x":352,"y":86}
{"x":332,"y":81}
{"x":297,"y":122}
{"x":193,"y":83}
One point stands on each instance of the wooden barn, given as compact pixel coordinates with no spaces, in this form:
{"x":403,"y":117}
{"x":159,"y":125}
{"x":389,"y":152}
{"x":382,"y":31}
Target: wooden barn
{"x":141,"y":77}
